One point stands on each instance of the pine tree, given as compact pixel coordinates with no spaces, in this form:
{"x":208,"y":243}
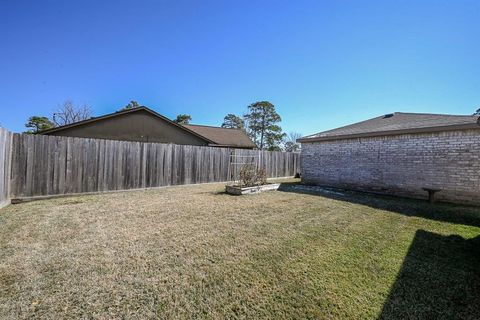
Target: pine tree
{"x":233,"y":122}
{"x":262,"y":119}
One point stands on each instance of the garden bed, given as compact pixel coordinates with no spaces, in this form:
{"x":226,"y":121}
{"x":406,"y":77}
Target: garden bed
{"x":242,"y":190}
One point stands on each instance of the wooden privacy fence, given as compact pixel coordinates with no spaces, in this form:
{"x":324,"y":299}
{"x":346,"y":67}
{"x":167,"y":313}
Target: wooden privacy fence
{"x":49,"y":165}
{"x":5,"y":163}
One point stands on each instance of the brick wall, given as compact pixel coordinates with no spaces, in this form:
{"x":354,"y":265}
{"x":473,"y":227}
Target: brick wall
{"x":400,"y":165}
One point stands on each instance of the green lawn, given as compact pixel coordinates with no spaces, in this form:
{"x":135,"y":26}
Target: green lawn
{"x":195,"y":252}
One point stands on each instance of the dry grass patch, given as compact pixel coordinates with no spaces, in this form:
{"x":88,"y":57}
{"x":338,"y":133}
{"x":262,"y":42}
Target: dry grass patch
{"x":195,"y":252}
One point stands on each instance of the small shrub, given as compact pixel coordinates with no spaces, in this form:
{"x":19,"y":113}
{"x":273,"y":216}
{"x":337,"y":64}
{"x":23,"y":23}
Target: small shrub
{"x":262,"y":176}
{"x":250,"y":176}
{"x":247,"y":175}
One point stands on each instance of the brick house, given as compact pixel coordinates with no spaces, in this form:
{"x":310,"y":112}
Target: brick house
{"x":399,"y":154}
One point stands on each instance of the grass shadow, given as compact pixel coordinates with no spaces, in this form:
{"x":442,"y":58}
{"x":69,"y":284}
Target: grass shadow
{"x":439,"y":279}
{"x":451,"y":213}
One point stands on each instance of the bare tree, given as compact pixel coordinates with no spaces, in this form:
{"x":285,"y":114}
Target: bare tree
{"x":69,"y":113}
{"x":291,"y":144}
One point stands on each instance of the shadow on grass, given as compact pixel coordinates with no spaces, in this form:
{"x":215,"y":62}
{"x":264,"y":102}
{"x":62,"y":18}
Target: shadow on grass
{"x":466,"y":215}
{"x":439,"y":279}
{"x":440,"y":275}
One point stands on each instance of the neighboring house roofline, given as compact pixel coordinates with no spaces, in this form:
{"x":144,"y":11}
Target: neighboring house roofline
{"x":231,"y":146}
{"x":203,"y":125}
{"x":122,"y":112}
{"x":231,"y":137}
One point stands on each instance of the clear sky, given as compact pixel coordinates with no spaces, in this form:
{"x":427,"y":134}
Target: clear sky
{"x":322,"y":63}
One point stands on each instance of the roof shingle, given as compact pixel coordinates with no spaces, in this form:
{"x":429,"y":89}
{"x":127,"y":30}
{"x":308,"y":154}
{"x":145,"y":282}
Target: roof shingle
{"x":397,"y":123}
{"x":223,"y":136}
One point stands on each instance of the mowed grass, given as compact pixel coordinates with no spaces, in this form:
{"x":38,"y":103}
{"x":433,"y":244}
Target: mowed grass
{"x":195,"y":252}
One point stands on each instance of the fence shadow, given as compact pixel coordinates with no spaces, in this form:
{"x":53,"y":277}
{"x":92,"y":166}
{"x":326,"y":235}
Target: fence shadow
{"x":440,"y":275}
{"x":439,"y":278}
{"x":466,"y":215}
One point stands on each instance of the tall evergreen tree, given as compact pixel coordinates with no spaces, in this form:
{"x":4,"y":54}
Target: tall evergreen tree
{"x":262,"y":119}
{"x":37,"y":124}
{"x":131,"y":105}
{"x":233,"y":122}
{"x":183,"y":119}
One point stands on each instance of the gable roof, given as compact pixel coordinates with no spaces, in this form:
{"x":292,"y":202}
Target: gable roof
{"x":122,"y":112}
{"x":398,"y":123}
{"x":223,"y":136}
{"x":216,"y":136}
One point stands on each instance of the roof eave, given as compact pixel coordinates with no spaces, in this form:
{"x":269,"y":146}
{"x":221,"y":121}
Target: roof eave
{"x":231,"y":146}
{"x":110,"y":115}
{"x":467,"y":126}
{"x":93,"y":119}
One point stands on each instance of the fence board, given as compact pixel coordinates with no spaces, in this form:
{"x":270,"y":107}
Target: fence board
{"x":49,"y":165}
{"x":6,"y":157}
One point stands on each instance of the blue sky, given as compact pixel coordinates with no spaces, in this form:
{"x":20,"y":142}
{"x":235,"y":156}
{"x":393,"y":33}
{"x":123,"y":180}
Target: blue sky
{"x":322,"y":63}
